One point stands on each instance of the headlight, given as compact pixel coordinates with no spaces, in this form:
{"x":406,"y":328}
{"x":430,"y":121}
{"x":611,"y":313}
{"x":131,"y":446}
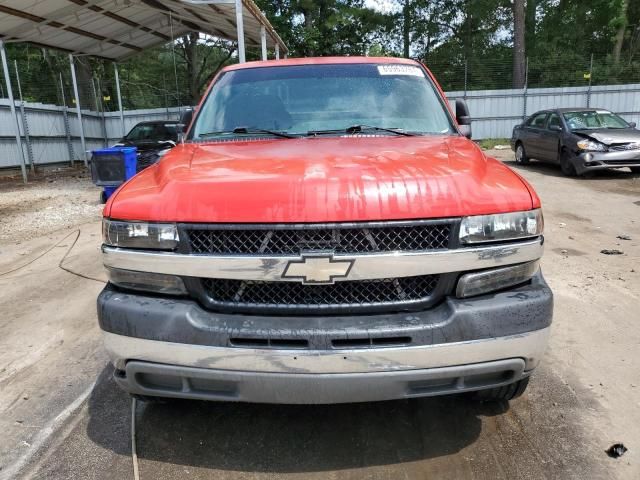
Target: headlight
{"x":590,"y":146}
{"x":147,"y":282}
{"x":503,"y":226}
{"x":148,"y":236}
{"x":479,"y":283}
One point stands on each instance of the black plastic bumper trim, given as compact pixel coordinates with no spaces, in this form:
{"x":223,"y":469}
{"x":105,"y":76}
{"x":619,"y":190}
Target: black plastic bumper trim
{"x":519,"y":310}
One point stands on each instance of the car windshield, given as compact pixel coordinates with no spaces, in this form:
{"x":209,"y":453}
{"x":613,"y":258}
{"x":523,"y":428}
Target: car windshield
{"x":315,"y":99}
{"x":594,"y":119}
{"x":153,"y":132}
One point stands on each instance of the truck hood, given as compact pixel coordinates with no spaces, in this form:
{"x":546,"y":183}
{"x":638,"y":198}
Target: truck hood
{"x":610,"y":136}
{"x":326,"y":179}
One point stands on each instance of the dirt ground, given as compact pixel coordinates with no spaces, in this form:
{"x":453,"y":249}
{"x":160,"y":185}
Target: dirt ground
{"x":62,"y":417}
{"x":55,"y":198}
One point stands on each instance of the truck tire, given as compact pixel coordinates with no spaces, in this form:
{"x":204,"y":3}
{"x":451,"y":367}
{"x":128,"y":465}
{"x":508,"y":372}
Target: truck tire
{"x":506,"y":393}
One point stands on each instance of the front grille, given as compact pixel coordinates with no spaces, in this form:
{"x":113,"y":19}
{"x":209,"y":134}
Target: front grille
{"x":292,"y":240}
{"x":622,"y":163}
{"x":622,"y":147}
{"x":239,"y":293}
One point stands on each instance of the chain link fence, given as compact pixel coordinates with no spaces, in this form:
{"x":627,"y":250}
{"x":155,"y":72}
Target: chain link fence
{"x":549,"y":72}
{"x":50,"y":127}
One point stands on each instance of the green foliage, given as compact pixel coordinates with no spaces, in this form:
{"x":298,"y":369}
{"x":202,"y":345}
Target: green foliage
{"x":165,"y":76}
{"x":491,"y":143}
{"x":328,"y":27}
{"x":466,"y":43}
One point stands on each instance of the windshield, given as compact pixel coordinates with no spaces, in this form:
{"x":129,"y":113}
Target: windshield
{"x":310,"y":99}
{"x":594,"y":119}
{"x":153,"y":132}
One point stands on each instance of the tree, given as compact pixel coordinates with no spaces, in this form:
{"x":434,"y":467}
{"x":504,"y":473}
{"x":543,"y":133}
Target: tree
{"x":326,"y":27}
{"x":203,"y":56}
{"x":530,"y":25}
{"x":519,"y":52}
{"x":622,"y":26}
{"x":407,"y":13}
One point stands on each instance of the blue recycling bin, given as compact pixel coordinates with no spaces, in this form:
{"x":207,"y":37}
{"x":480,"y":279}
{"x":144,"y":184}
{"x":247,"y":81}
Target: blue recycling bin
{"x":111,"y":167}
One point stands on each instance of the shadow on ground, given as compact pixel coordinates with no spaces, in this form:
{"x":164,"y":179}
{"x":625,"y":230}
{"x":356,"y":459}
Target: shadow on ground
{"x":286,"y":438}
{"x":553,"y":170}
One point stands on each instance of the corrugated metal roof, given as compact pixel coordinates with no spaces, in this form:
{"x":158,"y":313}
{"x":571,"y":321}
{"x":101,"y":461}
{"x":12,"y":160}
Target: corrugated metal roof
{"x":117,"y":29}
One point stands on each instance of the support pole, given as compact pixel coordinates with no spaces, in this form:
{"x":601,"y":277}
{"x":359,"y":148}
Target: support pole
{"x":78,"y":110}
{"x":65,"y":115}
{"x":466,"y":76}
{"x":277,"y":51}
{"x":103,"y":118}
{"x":524,"y":90}
{"x":95,"y":94}
{"x":115,"y":67}
{"x":263,"y":41}
{"x":590,"y":80}
{"x":25,"y":123}
{"x":7,"y":80}
{"x":240,"y":26}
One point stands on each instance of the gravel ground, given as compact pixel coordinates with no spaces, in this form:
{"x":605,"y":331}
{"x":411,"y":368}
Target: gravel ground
{"x":54,"y":199}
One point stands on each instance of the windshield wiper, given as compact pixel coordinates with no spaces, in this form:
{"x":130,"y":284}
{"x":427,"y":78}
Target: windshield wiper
{"x":361,"y":128}
{"x":248,"y":131}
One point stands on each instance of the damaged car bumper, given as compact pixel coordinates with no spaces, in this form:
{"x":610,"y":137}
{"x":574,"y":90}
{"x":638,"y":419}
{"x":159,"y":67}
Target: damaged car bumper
{"x":175,"y":348}
{"x":592,"y":161}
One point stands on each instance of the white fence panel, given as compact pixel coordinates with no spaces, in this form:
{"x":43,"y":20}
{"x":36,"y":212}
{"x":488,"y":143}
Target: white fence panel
{"x":496,"y":112}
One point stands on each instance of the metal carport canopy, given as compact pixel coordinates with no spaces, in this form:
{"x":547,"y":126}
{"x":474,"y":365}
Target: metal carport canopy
{"x":118,"y":29}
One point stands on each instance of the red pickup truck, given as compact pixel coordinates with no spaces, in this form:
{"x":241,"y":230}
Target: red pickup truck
{"x":325,"y":233}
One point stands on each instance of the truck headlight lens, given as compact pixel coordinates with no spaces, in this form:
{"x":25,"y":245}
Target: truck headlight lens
{"x":147,"y":282}
{"x":503,"y":226}
{"x":591,"y":146}
{"x":479,"y":283}
{"x":147,"y":236}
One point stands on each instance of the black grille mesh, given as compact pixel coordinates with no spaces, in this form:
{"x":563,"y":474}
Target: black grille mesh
{"x":146,"y":159}
{"x":293,"y":241}
{"x":625,"y":147}
{"x":288,"y":294}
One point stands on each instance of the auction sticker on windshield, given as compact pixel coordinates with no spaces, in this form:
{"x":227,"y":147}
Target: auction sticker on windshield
{"x":400,"y":70}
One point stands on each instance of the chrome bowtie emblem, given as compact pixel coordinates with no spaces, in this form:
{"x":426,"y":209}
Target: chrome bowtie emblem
{"x":318,"y":269}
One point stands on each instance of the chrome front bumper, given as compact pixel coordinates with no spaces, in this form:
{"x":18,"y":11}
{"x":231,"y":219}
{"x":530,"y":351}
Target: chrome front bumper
{"x":364,"y":266}
{"x":150,"y":367}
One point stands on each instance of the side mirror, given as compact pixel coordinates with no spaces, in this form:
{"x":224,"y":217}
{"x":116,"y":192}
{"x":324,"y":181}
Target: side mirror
{"x":632,"y":125}
{"x":185,"y":121}
{"x":463,"y":118}
{"x":555,"y":128}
